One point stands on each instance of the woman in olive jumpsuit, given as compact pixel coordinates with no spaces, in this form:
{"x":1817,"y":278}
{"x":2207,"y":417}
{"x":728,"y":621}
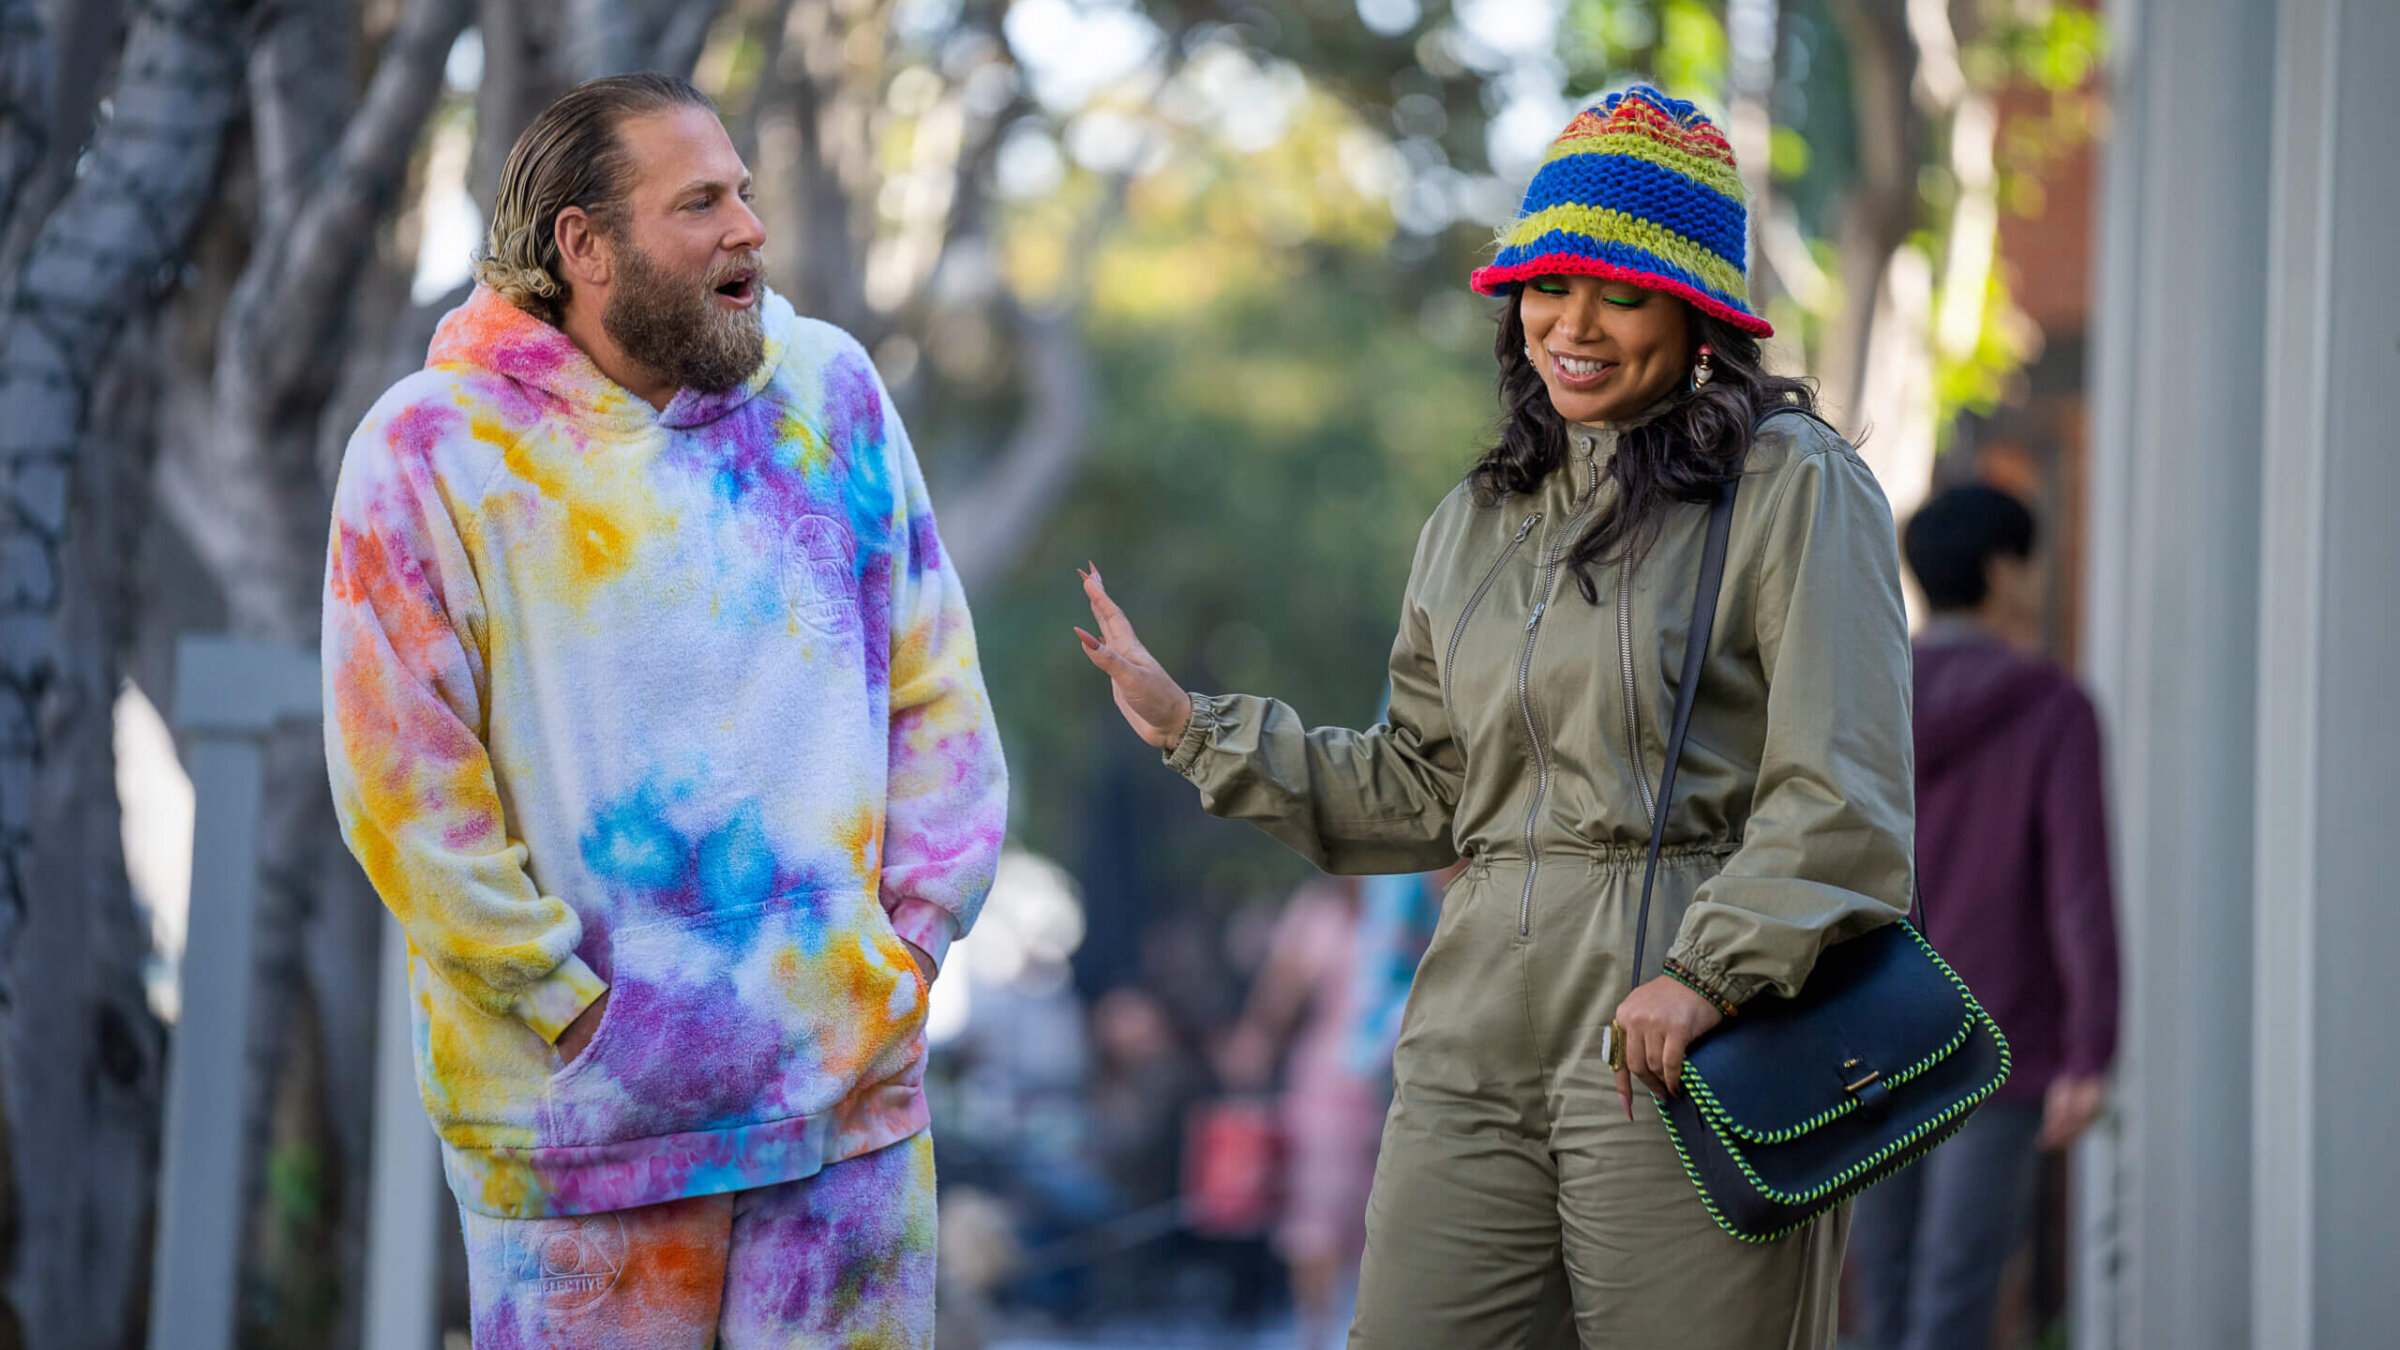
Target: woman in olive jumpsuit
{"x":1533,"y":679}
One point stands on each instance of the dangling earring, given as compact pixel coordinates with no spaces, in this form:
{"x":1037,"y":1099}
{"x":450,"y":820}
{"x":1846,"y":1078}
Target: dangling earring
{"x":1529,"y":353}
{"x":1705,"y":368}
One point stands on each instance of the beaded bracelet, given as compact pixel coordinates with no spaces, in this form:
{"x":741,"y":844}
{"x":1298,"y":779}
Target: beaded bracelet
{"x":1674,"y":971}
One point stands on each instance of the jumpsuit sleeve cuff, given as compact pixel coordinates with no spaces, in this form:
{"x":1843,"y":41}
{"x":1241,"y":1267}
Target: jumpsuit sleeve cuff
{"x":1196,"y":735}
{"x":1710,"y":978}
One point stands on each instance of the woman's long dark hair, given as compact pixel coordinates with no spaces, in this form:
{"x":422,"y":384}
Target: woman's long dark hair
{"x":1682,"y":455}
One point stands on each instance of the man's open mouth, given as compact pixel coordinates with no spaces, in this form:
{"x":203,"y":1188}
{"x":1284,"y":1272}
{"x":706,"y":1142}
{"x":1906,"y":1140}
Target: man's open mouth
{"x":741,"y":288}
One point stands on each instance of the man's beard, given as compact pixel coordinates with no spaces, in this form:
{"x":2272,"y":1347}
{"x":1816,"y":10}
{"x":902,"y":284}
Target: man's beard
{"x":672,"y":326}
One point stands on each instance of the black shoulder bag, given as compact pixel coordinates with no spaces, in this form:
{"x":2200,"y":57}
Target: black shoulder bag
{"x":1793,"y":1105}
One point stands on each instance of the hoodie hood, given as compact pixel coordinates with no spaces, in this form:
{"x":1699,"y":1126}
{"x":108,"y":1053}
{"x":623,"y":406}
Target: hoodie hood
{"x":1969,"y":689}
{"x":489,"y":334}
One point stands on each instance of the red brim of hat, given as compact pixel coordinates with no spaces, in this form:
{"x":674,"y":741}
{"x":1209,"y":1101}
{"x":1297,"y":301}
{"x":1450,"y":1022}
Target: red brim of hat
{"x":1495,"y":280}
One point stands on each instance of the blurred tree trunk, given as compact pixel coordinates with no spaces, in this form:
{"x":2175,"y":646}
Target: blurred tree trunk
{"x":845,"y":259}
{"x":93,"y":233}
{"x":316,"y":323}
{"x":1882,"y":203}
{"x":59,"y":57}
{"x":229,"y":404}
{"x":1016,"y":493}
{"x":1916,"y":109}
{"x":249,"y":480}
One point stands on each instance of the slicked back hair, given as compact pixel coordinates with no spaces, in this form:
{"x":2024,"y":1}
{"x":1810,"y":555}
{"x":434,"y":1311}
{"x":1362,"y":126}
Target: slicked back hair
{"x":570,"y":156}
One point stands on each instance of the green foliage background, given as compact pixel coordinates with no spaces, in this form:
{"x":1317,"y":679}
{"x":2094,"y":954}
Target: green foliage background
{"x":1291,"y":382}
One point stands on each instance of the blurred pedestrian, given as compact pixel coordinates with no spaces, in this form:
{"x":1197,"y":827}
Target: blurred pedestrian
{"x":1543,"y":623}
{"x":1137,"y":1101}
{"x":1397,"y":915}
{"x":655,"y":718}
{"x":1301,"y":1011}
{"x":2012,"y":839}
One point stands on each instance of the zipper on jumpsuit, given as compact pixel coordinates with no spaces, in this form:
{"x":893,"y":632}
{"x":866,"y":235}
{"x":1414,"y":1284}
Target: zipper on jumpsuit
{"x":1633,"y":716}
{"x":1533,"y":634}
{"x":1459,"y":630}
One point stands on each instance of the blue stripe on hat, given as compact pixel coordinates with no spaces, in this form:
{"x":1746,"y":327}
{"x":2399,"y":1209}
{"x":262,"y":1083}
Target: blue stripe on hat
{"x":1637,"y":187}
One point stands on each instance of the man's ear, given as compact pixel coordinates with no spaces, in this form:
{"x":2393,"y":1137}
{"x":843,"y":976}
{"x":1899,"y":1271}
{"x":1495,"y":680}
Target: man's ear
{"x":583,"y":251}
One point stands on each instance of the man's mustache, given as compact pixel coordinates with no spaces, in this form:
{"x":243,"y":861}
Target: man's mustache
{"x":752,"y":262}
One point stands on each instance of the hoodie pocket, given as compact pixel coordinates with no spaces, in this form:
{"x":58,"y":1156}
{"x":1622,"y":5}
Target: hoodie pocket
{"x":896,"y":947}
{"x":597,"y":1046}
{"x":765,"y":1014}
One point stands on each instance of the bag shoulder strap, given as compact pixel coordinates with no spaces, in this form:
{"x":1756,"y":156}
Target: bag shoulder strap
{"x":1687,"y":690}
{"x":1695,"y":654}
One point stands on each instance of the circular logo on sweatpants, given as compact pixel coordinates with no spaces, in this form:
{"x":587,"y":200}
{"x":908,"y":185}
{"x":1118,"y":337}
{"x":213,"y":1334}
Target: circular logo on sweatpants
{"x":572,"y":1263}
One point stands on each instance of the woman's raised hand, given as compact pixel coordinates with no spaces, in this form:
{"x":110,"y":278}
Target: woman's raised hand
{"x":1154,"y":705}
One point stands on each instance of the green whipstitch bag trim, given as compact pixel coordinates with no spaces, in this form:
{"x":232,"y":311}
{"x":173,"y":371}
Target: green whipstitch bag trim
{"x":1715,"y":1116}
{"x":1695,"y":1083}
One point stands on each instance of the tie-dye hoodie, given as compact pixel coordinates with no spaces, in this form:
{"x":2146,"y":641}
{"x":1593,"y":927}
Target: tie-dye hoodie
{"x":683,"y":706}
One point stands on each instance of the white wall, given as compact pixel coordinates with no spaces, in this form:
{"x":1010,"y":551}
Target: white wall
{"x":2241,"y":631}
{"x":2172,"y":637}
{"x":2330,"y":436}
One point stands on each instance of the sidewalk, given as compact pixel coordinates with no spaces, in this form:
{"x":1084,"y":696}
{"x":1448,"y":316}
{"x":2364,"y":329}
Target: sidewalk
{"x":1160,"y":1335}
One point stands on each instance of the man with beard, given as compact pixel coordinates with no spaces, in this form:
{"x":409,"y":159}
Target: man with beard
{"x":654,"y":715}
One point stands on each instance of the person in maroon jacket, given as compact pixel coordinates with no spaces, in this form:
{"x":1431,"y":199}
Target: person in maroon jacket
{"x":2012,"y":852}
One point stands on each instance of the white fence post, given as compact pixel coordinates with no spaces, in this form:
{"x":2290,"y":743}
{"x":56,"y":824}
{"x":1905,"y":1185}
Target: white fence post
{"x":229,"y":695}
{"x":404,"y":1207}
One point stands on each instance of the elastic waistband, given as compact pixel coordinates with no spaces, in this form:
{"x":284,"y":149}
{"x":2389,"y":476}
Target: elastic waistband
{"x":1612,"y":854}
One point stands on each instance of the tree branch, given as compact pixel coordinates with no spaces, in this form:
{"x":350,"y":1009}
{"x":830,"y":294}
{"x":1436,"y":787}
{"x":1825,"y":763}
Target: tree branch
{"x":970,"y":193}
{"x":299,"y":87}
{"x":247,"y":488}
{"x":1017,"y":492}
{"x":1882,"y":200}
{"x":99,"y":255}
{"x":80,"y":53}
{"x":77,"y":1050}
{"x":337,"y":226}
{"x":1015,"y":495}
{"x":604,"y":38}
{"x":24,"y":100}
{"x":522,"y":72}
{"x":831,"y":279}
{"x":682,"y":32}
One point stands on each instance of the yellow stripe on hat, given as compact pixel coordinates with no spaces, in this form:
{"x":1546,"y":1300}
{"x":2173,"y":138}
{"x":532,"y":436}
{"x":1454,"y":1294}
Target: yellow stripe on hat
{"x":1601,"y":223}
{"x":1643,"y":143}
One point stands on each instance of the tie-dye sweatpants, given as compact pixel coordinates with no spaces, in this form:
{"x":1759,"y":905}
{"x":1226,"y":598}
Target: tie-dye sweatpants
{"x":844,"y":1259}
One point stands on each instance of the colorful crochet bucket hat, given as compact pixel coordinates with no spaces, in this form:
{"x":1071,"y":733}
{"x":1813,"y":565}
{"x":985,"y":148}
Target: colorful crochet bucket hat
{"x":1642,"y":189}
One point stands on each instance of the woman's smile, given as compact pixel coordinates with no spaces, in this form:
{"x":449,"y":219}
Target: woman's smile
{"x":1581,"y":372}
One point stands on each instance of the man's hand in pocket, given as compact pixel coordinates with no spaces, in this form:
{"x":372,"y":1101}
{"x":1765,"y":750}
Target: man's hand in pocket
{"x":579,"y":1032}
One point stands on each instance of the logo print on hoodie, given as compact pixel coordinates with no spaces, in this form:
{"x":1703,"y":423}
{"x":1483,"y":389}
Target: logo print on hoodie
{"x":816,"y":576}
